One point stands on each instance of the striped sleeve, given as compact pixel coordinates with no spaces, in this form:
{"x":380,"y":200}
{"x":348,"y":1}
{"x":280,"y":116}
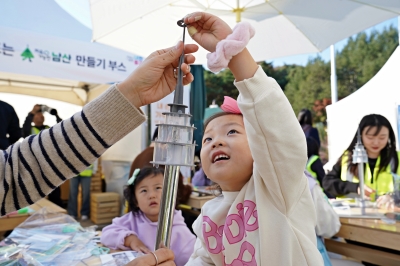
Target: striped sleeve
{"x":31,"y":169}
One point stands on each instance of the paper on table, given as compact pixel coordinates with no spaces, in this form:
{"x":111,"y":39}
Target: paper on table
{"x":118,"y":259}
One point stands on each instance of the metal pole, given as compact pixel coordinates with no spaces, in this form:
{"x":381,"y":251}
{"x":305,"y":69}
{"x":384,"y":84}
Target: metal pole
{"x":167,"y":208}
{"x":360,"y":157}
{"x":361,"y":182}
{"x":334,"y":94}
{"x":145,"y":129}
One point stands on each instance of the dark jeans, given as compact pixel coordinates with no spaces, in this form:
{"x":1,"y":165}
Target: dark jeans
{"x":73,"y":195}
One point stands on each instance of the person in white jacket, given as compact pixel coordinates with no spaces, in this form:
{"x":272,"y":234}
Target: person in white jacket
{"x":328,"y":222}
{"x":256,"y":152}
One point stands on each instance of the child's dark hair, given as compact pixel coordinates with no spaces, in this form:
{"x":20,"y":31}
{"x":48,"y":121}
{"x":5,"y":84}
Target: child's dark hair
{"x":305,"y":117}
{"x":129,"y":191}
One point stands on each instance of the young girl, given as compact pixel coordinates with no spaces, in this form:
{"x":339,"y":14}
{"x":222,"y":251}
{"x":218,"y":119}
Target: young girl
{"x":256,"y":152}
{"x":380,"y":144}
{"x":137,"y":230}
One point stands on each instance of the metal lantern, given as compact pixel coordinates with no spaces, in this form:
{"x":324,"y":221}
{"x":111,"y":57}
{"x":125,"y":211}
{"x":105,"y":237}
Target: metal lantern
{"x":360,"y":157}
{"x":173,"y":148}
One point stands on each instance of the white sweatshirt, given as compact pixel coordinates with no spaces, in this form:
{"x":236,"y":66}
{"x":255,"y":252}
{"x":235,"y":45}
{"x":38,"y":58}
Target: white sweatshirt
{"x":271,"y":220}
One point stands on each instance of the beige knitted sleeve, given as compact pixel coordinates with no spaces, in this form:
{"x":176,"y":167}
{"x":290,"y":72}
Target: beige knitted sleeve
{"x":33,"y":168}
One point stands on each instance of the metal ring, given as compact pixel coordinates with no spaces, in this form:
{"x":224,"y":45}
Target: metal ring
{"x":181,"y":23}
{"x":154,"y":254}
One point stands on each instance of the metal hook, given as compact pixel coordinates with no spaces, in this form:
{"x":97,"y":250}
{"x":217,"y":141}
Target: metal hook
{"x":178,"y":96}
{"x":181,"y":23}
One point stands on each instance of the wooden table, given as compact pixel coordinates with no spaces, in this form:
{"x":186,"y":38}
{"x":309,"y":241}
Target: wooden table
{"x":369,"y":231}
{"x":194,"y":204}
{"x":9,"y":222}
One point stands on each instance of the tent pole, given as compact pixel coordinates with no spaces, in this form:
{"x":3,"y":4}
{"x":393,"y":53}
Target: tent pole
{"x":334,"y":92}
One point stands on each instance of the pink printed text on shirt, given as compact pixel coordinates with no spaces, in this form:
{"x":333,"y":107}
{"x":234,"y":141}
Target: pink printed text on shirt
{"x":246,"y":221}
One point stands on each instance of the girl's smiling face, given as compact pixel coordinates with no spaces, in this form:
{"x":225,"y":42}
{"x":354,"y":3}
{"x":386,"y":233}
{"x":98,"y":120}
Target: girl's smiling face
{"x":375,"y":141}
{"x":225,"y":155}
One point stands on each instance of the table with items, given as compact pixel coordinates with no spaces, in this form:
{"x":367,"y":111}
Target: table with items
{"x":51,"y":238}
{"x":373,"y":237}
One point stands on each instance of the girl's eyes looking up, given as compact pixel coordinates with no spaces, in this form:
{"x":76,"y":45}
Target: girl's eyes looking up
{"x":232,"y":131}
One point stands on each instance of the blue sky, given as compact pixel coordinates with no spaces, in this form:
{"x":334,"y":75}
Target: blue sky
{"x":325,"y":55}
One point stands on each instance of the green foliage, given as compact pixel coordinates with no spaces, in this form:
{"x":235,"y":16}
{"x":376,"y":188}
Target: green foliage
{"x":221,"y":84}
{"x":308,"y":83}
{"x":362,"y":58}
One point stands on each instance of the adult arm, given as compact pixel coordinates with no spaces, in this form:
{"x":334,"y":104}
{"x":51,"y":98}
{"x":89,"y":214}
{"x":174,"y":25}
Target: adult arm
{"x":113,"y":235}
{"x":335,"y":186}
{"x":30,"y":170}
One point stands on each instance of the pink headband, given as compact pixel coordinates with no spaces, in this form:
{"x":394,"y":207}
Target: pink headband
{"x":230,"y":106}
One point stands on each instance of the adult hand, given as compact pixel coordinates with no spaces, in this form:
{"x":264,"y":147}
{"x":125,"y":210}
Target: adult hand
{"x":385,"y":202}
{"x":165,"y":257}
{"x":367,"y":190}
{"x":154,"y":78}
{"x":206,"y":29}
{"x":136,"y":244}
{"x":37,"y":108}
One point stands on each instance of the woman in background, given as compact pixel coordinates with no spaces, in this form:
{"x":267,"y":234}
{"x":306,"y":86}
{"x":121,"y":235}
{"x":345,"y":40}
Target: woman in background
{"x":380,"y":144}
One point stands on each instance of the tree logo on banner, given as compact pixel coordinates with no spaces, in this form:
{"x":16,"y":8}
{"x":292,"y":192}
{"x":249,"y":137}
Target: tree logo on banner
{"x":27,"y":54}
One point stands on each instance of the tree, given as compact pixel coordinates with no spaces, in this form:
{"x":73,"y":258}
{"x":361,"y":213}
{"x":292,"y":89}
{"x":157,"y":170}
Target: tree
{"x":362,"y":58}
{"x":221,"y":84}
{"x":308,"y":84}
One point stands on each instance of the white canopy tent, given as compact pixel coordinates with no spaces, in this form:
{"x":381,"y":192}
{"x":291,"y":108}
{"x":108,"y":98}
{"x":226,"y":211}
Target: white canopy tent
{"x":45,"y":52}
{"x":68,"y":70}
{"x":283,"y":27}
{"x":381,"y":95}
